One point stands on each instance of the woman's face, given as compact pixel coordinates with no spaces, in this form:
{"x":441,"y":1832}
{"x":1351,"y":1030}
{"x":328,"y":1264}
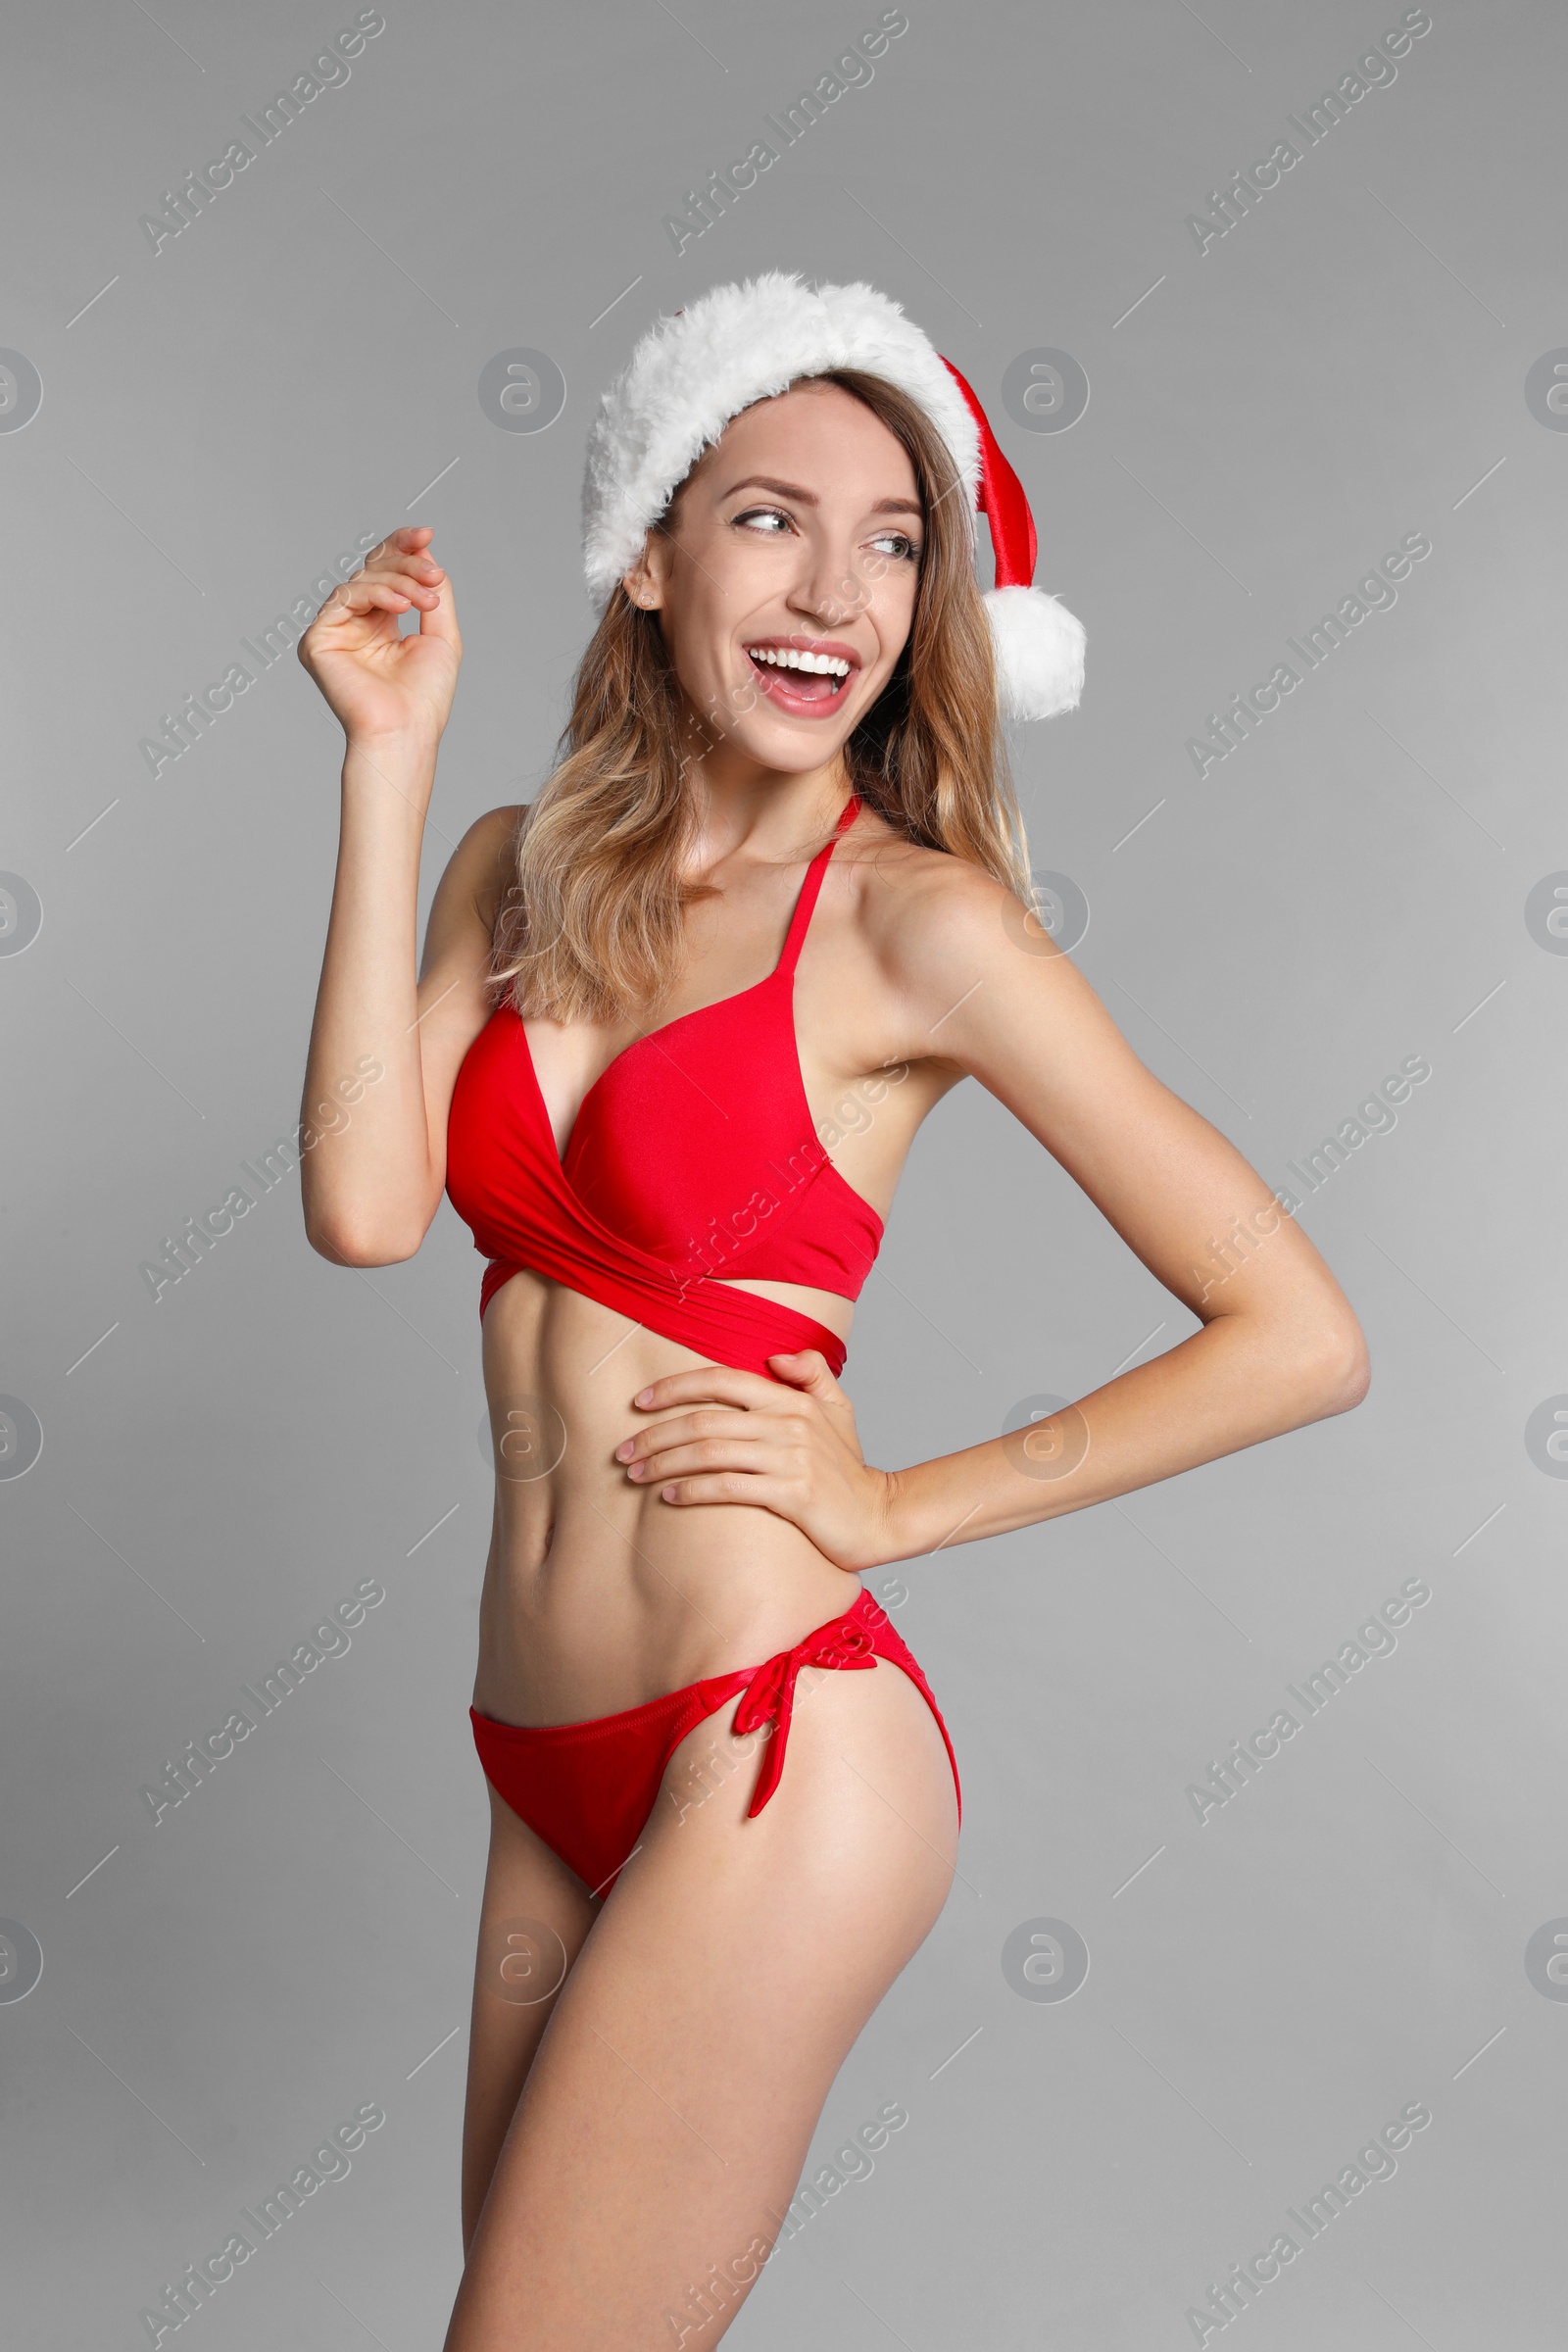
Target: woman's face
{"x":795,"y":540}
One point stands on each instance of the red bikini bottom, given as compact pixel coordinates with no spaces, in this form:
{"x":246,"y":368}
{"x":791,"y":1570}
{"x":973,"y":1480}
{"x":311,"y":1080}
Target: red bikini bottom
{"x":588,"y":1789}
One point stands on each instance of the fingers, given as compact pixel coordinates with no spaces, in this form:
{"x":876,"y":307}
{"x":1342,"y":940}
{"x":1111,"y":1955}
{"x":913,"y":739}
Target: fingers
{"x":390,"y":593}
{"x":807,"y":1368}
{"x":729,"y":1486}
{"x":676,"y":1462}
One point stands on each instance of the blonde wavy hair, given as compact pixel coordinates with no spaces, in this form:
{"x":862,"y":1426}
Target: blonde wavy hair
{"x":592,"y":928}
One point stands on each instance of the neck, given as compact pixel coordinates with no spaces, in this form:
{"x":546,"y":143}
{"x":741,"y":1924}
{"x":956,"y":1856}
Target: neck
{"x":740,"y":802}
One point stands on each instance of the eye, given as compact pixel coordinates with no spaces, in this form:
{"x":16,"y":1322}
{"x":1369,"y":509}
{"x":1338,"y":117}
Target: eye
{"x":905,"y":550}
{"x":764,"y":513}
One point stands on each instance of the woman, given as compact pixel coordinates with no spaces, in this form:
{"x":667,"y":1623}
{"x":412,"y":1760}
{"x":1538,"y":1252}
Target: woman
{"x":779,"y":865}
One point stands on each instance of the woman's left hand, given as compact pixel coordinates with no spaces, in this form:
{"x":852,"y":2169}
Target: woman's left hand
{"x":787,"y":1445}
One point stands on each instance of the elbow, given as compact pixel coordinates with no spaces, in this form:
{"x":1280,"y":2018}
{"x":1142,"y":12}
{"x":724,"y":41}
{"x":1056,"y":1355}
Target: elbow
{"x":1341,"y":1372}
{"x":346,"y":1242}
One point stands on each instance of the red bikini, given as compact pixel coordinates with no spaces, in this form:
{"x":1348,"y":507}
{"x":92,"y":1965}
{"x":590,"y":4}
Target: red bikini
{"x":693,"y":1156}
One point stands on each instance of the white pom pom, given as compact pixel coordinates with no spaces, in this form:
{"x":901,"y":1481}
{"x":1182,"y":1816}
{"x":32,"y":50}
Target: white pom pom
{"x":1039,"y":653}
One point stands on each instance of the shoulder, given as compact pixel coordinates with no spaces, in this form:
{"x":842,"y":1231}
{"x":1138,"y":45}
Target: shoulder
{"x":932,"y":919}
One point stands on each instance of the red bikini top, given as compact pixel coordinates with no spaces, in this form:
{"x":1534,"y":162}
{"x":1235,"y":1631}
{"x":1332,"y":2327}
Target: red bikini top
{"x":692,"y":1157}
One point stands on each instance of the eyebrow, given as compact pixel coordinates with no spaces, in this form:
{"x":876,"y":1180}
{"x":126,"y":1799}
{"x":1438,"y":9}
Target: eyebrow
{"x":809,"y":498}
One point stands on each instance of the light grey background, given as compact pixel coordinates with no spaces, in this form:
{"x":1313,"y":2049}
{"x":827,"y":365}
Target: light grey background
{"x":1347,"y":889}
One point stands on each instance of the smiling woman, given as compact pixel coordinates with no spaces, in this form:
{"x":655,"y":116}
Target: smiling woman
{"x":778,"y":862}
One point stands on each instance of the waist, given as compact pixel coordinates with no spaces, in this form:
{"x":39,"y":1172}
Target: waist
{"x":599,"y":1595}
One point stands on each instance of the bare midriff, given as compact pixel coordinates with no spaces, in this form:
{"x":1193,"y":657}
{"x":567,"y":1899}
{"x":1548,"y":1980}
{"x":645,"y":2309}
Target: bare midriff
{"x":598,"y":1594}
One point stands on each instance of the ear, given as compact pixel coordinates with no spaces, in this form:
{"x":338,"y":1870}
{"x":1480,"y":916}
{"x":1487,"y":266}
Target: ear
{"x":643,"y":583}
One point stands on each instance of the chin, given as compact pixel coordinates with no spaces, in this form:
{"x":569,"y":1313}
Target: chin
{"x":793,"y":746}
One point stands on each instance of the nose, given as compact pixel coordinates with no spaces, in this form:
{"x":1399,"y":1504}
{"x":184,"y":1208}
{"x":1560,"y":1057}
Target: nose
{"x":826,"y":589}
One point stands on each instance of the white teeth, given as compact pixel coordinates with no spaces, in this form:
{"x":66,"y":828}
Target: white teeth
{"x":787,"y":657}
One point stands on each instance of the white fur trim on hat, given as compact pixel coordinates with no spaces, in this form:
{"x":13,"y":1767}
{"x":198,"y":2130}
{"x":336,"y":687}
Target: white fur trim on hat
{"x":691,"y":373}
{"x":1039,"y":648}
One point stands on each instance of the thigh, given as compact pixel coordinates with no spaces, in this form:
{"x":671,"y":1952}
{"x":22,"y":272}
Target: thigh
{"x":663,"y":2128}
{"x":533,"y":1920}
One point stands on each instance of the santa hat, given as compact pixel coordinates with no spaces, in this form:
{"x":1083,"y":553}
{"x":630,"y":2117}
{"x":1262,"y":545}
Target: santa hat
{"x":691,"y":373}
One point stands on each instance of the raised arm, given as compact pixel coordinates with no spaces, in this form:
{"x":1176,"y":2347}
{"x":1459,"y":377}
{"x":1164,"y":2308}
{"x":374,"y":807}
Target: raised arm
{"x":387,"y":1042}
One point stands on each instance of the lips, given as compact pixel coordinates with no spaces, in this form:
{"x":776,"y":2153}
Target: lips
{"x":804,"y":694}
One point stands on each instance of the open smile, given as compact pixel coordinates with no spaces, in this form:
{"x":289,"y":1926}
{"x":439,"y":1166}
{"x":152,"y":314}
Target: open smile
{"x":808,"y":680}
